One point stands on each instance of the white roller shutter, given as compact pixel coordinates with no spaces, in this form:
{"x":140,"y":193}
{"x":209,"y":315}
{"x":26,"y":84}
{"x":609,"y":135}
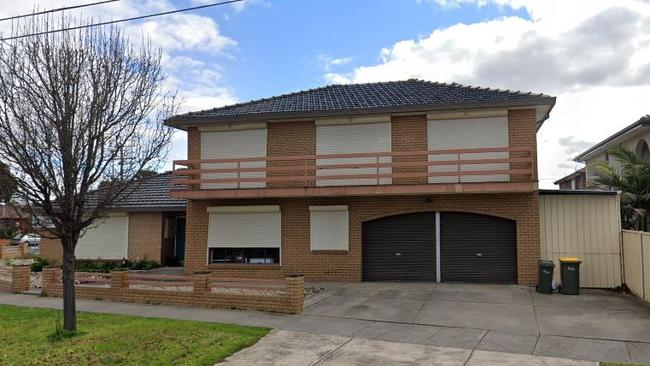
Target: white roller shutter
{"x":108,"y":239}
{"x":328,"y":227}
{"x":231,"y":145}
{"x":244,"y":227}
{"x":348,"y":139}
{"x":471,"y":133}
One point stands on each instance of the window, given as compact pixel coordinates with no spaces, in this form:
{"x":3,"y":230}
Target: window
{"x":244,"y":234}
{"x":642,"y":150}
{"x":328,"y":228}
{"x":233,"y":145}
{"x":245,"y":255}
{"x":350,"y":139}
{"x":471,"y":133}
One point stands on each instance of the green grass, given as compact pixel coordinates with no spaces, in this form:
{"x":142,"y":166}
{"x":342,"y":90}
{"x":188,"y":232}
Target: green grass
{"x":27,"y":338}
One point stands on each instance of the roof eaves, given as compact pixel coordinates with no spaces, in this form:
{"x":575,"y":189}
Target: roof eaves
{"x":642,"y":122}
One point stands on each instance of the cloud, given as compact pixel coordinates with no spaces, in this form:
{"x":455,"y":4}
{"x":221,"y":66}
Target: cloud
{"x":573,"y":146}
{"x":593,"y":55}
{"x":327,"y":62}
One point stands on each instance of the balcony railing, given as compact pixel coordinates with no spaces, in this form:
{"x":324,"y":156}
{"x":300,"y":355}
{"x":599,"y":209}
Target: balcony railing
{"x":450,"y":166}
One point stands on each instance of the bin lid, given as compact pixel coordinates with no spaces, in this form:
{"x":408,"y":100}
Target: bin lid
{"x":570,"y":260}
{"x":546,"y":263}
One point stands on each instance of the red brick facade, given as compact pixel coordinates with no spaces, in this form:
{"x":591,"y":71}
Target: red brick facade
{"x":408,"y":134}
{"x":145,"y":235}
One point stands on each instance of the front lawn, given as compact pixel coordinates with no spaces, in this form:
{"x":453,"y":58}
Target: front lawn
{"x":106,"y":339}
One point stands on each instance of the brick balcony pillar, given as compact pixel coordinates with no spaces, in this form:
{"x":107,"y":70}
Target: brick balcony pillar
{"x":200,"y":282}
{"x":119,"y":279}
{"x":20,"y":278}
{"x":51,"y":278}
{"x":296,"y":293}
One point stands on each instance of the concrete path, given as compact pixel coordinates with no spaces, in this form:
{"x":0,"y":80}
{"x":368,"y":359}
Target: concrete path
{"x":596,"y":326}
{"x":307,"y":349}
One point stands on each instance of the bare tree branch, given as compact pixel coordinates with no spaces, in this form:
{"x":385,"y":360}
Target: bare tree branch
{"x":78,"y":109}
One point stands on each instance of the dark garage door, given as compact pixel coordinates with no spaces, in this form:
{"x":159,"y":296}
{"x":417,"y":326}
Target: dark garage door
{"x":477,"y":248}
{"x":400,"y":248}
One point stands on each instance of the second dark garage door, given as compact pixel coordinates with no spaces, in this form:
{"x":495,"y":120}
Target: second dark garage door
{"x":477,"y":248}
{"x":473,"y":248}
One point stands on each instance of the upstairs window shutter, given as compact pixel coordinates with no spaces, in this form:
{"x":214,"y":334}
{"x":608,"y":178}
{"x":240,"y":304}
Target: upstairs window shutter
{"x":473,"y":133}
{"x":233,"y":145}
{"x":348,"y":139}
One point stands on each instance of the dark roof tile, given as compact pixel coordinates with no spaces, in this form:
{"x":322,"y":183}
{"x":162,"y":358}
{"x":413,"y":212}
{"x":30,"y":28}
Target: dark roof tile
{"x":363,"y":97}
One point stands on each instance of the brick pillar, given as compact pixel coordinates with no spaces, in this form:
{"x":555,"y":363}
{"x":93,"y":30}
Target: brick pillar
{"x":20,"y":278}
{"x":119,"y":279}
{"x":200,"y":282}
{"x":296,"y":293}
{"x":51,"y":277}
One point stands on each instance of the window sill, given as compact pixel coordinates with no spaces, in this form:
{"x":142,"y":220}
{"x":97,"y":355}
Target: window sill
{"x":331,"y":251}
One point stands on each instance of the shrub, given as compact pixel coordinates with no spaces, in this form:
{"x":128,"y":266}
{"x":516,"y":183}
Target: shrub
{"x":39,"y":263}
{"x":8,"y":231}
{"x":85,"y":265}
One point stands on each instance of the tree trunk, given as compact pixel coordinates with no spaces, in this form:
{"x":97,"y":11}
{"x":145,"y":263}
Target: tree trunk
{"x":69,"y":304}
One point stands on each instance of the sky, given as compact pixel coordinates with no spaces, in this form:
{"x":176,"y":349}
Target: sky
{"x":594,"y":56}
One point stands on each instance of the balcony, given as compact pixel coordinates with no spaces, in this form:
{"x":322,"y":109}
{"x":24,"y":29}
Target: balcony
{"x":485,"y":170}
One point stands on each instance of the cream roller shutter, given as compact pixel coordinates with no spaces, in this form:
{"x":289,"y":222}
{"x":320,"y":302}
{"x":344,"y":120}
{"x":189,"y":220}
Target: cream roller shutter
{"x":233,"y":144}
{"x":348,"y":139}
{"x":244,"y":227}
{"x":468,"y":134}
{"x":328,"y":227}
{"x":108,"y":239}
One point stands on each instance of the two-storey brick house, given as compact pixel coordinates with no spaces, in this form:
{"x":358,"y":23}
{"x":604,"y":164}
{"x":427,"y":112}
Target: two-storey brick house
{"x":408,"y":180}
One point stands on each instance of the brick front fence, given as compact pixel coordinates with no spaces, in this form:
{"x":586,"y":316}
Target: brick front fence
{"x":15,"y":278}
{"x":13,"y":251}
{"x":201,"y":290}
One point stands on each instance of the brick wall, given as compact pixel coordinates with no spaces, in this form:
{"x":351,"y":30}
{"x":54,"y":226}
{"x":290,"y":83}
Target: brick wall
{"x":19,"y":279}
{"x":409,"y":133}
{"x":522,"y":131}
{"x":290,"y":301}
{"x":145,"y":236}
{"x":297,"y":257}
{"x":291,"y":138}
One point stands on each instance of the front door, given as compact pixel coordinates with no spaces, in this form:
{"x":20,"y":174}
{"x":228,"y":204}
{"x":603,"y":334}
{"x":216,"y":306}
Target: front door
{"x":179,"y":246}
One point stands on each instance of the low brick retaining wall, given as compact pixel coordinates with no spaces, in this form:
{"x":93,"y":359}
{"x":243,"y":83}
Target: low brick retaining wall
{"x":289,"y":300}
{"x":15,"y":278}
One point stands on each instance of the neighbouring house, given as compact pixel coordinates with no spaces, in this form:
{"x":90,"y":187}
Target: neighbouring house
{"x":147,"y":225}
{"x":574,"y":181}
{"x":393,"y":181}
{"x":14,"y":217}
{"x":636,"y":137}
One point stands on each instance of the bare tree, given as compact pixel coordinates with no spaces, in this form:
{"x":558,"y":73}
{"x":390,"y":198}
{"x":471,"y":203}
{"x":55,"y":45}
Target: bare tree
{"x":78,"y":108}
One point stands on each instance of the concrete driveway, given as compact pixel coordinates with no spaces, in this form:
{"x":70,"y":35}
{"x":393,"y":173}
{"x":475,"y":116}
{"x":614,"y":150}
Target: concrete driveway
{"x":597,"y":325}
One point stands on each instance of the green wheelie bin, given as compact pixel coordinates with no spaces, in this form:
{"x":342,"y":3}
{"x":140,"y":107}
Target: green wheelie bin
{"x":570,"y":274}
{"x":545,"y":277}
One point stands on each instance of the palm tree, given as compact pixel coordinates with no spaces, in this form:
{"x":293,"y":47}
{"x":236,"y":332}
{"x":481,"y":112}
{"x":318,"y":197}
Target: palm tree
{"x":631,"y":176}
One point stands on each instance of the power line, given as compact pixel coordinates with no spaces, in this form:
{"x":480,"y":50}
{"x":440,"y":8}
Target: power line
{"x":58,"y":9}
{"x":121,"y":20}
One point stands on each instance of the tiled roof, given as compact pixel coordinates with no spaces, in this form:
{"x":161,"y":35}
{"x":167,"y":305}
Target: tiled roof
{"x":150,"y":195}
{"x":393,"y":96}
